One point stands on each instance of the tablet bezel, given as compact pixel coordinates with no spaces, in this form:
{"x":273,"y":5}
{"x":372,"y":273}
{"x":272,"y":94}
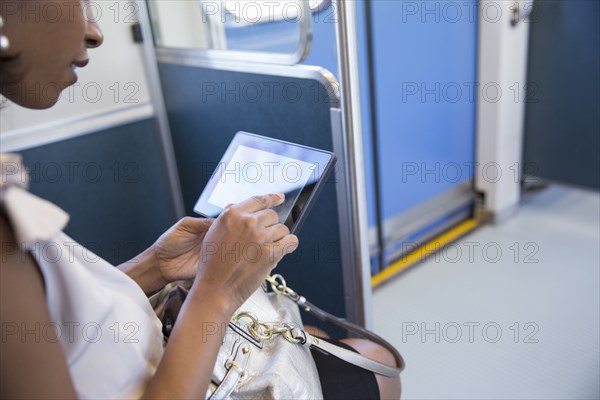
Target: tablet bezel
{"x":325,"y":161}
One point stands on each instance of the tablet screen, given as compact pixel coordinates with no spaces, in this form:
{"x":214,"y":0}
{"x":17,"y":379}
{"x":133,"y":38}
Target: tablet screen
{"x":255,"y":165}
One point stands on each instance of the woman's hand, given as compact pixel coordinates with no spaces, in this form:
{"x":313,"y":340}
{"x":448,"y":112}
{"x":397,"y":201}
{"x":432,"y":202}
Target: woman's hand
{"x":242,"y":247}
{"x":238,"y":251}
{"x":174,"y":256}
{"x":177,"y":251}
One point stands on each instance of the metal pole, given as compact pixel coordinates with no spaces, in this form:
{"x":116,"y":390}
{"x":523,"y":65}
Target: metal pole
{"x":357,"y":286}
{"x":162,"y":123}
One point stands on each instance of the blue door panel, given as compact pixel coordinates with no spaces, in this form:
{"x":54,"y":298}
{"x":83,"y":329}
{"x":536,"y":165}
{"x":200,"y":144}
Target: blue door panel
{"x":425,"y":73}
{"x":424,"y":60}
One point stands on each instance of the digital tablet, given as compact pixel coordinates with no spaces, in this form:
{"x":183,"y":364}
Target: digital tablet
{"x":256,"y":165}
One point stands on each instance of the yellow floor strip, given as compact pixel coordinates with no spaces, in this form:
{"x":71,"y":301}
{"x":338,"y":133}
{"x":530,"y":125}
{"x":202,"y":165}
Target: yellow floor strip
{"x":423,"y":251}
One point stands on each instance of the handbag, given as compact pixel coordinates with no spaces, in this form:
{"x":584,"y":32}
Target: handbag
{"x":266,"y":352}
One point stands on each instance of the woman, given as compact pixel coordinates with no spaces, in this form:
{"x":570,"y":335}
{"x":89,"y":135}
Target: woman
{"x":38,"y":294}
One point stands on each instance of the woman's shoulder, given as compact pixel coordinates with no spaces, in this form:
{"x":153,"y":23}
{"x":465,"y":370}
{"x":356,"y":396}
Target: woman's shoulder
{"x":23,"y":311}
{"x":32,"y":218}
{"x":19,"y":272}
{"x":13,"y":254}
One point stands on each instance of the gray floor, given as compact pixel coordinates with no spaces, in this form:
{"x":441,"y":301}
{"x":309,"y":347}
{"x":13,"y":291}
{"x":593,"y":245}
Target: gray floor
{"x":511,"y":311}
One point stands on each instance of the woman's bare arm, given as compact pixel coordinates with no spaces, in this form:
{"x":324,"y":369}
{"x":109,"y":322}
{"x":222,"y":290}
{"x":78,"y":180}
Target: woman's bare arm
{"x":34,"y":366}
{"x":144,"y":270}
{"x":186,"y":367}
{"x":31,"y":366}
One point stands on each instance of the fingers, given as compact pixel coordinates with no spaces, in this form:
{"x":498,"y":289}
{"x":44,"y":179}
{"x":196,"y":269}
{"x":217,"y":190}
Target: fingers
{"x":262,"y":202}
{"x":291,"y":243}
{"x":267,"y":218}
{"x":275,"y":233}
{"x":288,"y":244}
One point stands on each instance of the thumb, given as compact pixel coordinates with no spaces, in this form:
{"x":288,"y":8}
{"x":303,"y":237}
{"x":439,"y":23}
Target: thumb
{"x":196,"y":225}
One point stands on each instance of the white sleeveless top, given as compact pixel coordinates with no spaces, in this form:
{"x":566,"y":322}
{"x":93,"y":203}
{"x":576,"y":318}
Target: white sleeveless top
{"x":104,"y":323}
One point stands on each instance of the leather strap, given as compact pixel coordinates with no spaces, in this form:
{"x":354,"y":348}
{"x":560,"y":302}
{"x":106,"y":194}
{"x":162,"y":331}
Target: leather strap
{"x":355,"y":359}
{"x":235,"y":371}
{"x":352,"y":357}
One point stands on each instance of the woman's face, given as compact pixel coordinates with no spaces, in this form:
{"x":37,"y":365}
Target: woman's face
{"x":48,"y":40}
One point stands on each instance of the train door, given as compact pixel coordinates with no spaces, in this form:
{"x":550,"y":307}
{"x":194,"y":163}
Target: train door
{"x":418,"y":121}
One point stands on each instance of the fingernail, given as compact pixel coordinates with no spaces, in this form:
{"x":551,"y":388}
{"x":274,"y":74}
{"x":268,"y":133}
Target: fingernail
{"x":281,"y":196}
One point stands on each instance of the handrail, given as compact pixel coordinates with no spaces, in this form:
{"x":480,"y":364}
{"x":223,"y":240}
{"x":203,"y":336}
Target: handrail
{"x":357,"y":287}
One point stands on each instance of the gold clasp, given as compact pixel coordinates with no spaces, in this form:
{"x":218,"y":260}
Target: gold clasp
{"x":263,"y":331}
{"x":246,"y":314}
{"x":279,"y":286}
{"x":277,"y":283}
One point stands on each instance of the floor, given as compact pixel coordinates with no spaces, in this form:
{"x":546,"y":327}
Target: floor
{"x":511,"y":311}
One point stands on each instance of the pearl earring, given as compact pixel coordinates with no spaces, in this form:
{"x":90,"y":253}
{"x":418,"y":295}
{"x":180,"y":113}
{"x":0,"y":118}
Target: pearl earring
{"x":4,"y":43}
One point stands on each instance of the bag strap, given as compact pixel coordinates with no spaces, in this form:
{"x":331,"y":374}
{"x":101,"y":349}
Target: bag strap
{"x":356,"y":329}
{"x":352,"y":357}
{"x":279,"y":286}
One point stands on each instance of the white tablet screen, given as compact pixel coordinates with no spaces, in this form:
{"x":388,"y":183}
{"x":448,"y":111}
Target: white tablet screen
{"x":256,"y":165}
{"x":252,"y":172}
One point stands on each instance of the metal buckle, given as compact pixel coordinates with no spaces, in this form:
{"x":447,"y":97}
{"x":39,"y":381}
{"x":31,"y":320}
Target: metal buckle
{"x":263,"y":331}
{"x":279,"y":286}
